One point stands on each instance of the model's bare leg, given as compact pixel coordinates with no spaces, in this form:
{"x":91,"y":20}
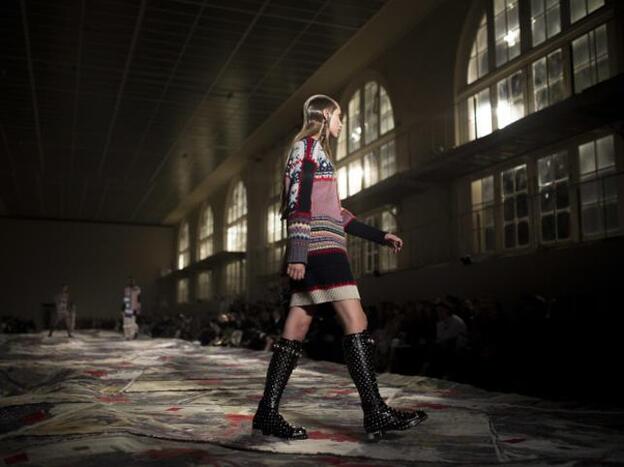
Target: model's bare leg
{"x":359,"y":353}
{"x":351,"y":315}
{"x":298,"y":322}
{"x":287,"y":351}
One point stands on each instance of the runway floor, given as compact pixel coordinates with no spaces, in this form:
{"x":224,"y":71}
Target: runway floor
{"x":97,"y":400}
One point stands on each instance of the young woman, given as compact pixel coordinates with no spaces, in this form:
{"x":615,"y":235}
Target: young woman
{"x":319,"y":272}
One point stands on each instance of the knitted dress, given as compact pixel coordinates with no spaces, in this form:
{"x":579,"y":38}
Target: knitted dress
{"x":317,"y":225}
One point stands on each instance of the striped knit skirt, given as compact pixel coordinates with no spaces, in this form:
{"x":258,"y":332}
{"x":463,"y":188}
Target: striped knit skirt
{"x":328,"y":278}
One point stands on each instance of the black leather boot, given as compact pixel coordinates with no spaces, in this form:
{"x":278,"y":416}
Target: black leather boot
{"x":378,"y":417}
{"x":268,"y":420}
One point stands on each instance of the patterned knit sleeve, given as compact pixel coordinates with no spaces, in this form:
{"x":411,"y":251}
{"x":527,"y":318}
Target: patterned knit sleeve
{"x":300,"y":175}
{"x":353,"y":226}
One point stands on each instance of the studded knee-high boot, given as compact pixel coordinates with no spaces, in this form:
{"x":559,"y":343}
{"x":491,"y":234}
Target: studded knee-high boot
{"x":268,"y":420}
{"x":378,"y":417}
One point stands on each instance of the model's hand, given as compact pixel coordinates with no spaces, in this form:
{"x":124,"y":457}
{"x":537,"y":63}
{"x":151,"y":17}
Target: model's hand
{"x":296,"y":271}
{"x":393,"y":242}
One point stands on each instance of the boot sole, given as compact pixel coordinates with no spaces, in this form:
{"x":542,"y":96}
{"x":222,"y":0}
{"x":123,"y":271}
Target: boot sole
{"x":260,"y":432}
{"x":377,"y":435}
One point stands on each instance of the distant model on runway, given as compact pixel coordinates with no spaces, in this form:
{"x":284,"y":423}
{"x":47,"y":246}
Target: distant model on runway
{"x":65,"y":311}
{"x":319,"y":271}
{"x":131,"y":307}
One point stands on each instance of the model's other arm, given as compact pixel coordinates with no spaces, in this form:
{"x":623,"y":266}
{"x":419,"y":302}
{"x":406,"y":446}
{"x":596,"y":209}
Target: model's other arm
{"x":301,"y":172}
{"x":353,"y":226}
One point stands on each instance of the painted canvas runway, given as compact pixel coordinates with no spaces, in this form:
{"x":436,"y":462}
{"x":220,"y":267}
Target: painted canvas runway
{"x":99,"y":400}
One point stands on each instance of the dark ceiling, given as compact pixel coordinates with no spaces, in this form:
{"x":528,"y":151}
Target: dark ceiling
{"x":114,"y":110}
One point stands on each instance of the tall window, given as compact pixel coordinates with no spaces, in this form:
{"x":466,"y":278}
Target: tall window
{"x":506,"y":30}
{"x":363,"y":160}
{"x":205,"y":233}
{"x":204,"y":285}
{"x":184,"y":252}
{"x":524,"y":86}
{"x":598,"y":187}
{"x":367,"y":257}
{"x":510,"y":99}
{"x":515,"y":194}
{"x":581,"y":8}
{"x":590,"y":56}
{"x":548,"y":86}
{"x":182,"y":291}
{"x":235,"y":277}
{"x":545,"y":20}
{"x":478,"y":65}
{"x":236,"y":232}
{"x":483,"y":223}
{"x":554,"y":194}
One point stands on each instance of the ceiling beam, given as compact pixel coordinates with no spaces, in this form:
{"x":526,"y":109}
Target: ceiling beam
{"x":33,"y":89}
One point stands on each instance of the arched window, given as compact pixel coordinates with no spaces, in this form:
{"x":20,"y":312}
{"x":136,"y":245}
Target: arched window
{"x":236,"y":228}
{"x":526,"y":84}
{"x":364,"y":153}
{"x":184,"y":253}
{"x":205,"y":233}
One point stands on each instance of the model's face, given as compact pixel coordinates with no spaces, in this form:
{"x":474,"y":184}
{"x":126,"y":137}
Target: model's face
{"x":335,"y":122}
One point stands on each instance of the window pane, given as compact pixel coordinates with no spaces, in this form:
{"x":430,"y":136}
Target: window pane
{"x":387,"y":156}
{"x":590,"y":59}
{"x":605,"y":150}
{"x":371,"y":170}
{"x":510,"y":100}
{"x":387,"y":116}
{"x":342,"y":182}
{"x":355,"y":177}
{"x":355,"y":129}
{"x":371,"y":112}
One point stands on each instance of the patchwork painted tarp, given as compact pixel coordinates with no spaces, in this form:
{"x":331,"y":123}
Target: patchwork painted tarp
{"x":100,"y":400}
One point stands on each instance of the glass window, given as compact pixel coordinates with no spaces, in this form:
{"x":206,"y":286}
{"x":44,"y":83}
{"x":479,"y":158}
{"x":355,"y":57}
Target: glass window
{"x":184,"y":253}
{"x":545,"y":20}
{"x":371,"y":249}
{"x":590,"y":57}
{"x":483,"y":227}
{"x":354,"y":247}
{"x":548,"y":86}
{"x":510,"y":99}
{"x":506,"y":30}
{"x":515,"y":195}
{"x":598,"y":187}
{"x":276,"y":228}
{"x":581,"y":8}
{"x":206,"y":232}
{"x":554,"y":194}
{"x":235,"y":277}
{"x":278,"y":177}
{"x":479,"y":115}
{"x":182,"y":291}
{"x":237,"y":219}
{"x":355,"y":127}
{"x":371,"y":112}
{"x":204,"y":285}
{"x":478,"y":65}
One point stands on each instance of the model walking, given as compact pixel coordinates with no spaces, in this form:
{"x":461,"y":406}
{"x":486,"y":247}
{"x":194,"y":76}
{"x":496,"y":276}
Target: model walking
{"x":319,"y":272}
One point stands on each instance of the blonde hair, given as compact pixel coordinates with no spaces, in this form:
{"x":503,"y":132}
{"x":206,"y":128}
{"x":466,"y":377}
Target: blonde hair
{"x":314,"y":123}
